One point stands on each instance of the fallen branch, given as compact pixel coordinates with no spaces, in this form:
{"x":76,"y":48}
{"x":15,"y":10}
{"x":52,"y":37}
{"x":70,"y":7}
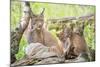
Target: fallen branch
{"x":66,"y":19}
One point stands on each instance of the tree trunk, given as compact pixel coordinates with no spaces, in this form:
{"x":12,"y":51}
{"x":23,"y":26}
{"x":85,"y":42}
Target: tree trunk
{"x":16,"y":34}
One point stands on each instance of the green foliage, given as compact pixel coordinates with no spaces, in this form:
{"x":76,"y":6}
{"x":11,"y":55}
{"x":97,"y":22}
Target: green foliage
{"x":89,"y":33}
{"x":22,"y":46}
{"x":53,"y":10}
{"x":15,"y":13}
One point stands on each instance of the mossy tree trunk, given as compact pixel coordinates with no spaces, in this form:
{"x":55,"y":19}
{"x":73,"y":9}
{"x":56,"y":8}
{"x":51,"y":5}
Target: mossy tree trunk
{"x":16,"y":34}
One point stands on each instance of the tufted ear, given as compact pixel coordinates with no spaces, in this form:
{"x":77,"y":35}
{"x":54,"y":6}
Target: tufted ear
{"x":27,"y":3}
{"x":42,"y":12}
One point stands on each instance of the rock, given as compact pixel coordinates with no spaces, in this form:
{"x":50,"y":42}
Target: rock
{"x":38,"y":51}
{"x":51,"y":60}
{"x":83,"y":57}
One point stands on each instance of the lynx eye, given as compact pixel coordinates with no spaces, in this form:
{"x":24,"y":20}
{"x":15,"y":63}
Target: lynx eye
{"x":34,"y":23}
{"x":41,"y":19}
{"x":36,"y":19}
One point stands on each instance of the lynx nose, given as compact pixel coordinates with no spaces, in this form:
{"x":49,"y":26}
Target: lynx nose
{"x":40,"y":25}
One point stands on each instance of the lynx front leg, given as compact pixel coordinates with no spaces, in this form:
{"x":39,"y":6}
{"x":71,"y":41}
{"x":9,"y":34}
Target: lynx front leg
{"x":67,"y":46}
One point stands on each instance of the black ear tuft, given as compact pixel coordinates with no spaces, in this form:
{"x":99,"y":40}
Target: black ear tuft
{"x":43,"y":11}
{"x":27,"y":3}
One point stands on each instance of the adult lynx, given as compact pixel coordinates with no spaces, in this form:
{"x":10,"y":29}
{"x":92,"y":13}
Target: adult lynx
{"x":37,"y":33}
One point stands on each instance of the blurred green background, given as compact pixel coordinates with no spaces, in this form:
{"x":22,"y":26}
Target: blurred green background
{"x":53,"y":10}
